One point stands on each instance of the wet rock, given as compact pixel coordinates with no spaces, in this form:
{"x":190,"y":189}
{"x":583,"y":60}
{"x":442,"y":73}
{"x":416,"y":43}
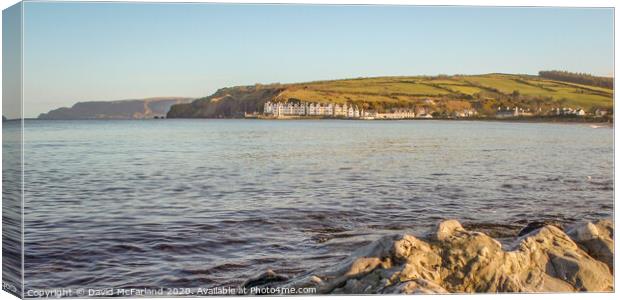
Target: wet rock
{"x":454,"y":260}
{"x":536,"y":225}
{"x":264,"y":279}
{"x":497,"y":231}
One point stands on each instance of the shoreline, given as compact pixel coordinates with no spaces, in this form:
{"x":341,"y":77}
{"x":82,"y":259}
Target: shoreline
{"x":601,"y":123}
{"x":512,"y":120}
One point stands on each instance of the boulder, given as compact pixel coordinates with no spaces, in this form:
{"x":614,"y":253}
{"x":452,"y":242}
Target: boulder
{"x":596,"y":239}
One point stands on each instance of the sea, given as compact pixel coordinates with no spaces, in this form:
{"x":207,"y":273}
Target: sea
{"x":209,"y":203}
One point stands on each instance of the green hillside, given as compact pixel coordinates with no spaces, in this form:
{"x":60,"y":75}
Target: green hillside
{"x":484,"y":93}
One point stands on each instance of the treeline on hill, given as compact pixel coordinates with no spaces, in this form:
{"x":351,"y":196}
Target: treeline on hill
{"x":227,"y":102}
{"x":580,"y":78}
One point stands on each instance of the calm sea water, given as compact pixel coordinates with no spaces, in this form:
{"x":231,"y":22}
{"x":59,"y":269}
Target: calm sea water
{"x":204,"y":203}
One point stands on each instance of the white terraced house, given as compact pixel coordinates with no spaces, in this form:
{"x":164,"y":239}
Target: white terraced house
{"x":311,"y":109}
{"x":509,"y":112}
{"x":353,"y":112}
{"x":465,"y":113}
{"x":568,"y":111}
{"x":325,"y":109}
{"x":397,"y":114}
{"x":296,"y":108}
{"x":340,"y":110}
{"x":268,"y":108}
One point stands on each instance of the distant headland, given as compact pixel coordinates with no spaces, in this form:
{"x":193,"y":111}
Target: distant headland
{"x":149,"y":108}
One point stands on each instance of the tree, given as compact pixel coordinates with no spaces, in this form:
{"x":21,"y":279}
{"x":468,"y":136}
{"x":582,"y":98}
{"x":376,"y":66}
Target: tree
{"x":580,"y":78}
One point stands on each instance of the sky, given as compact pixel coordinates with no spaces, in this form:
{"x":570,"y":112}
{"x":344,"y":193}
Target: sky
{"x":109,"y":51}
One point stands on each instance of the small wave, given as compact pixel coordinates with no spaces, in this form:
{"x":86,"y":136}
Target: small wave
{"x":125,"y":248}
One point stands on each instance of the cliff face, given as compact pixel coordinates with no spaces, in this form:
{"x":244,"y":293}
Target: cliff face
{"x":227,"y":102}
{"x":121,"y":109}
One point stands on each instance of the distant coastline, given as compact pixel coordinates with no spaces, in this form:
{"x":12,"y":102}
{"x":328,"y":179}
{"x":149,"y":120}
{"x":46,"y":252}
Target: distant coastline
{"x":487,"y":96}
{"x":538,"y":119}
{"x":541,"y":119}
{"x":557,"y":120}
{"x":148,"y":108}
{"x":494,"y":97}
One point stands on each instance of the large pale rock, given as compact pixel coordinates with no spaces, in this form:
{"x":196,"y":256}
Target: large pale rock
{"x":554,"y":252}
{"x":596,"y":239}
{"x":447,"y":229}
{"x":454,"y":260}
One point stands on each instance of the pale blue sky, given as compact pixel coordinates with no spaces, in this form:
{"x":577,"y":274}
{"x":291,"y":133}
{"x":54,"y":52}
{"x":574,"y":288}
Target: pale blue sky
{"x":105,"y":51}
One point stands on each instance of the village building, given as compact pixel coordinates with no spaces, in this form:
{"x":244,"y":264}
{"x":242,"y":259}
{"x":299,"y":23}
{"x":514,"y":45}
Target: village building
{"x":340,"y":110}
{"x":368,"y":114}
{"x":353,"y":112}
{"x":465,"y":113}
{"x":312,"y":109}
{"x":319,"y":109}
{"x":514,"y":112}
{"x":568,"y":111}
{"x":346,"y":110}
{"x":300,"y":108}
{"x":397,"y":114}
{"x":268,"y":108}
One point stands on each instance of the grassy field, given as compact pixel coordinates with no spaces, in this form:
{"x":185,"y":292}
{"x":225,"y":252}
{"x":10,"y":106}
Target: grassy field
{"x":491,"y":87}
{"x":447,"y":94}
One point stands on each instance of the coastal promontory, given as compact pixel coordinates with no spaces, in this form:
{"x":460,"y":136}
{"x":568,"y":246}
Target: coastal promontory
{"x":148,"y":108}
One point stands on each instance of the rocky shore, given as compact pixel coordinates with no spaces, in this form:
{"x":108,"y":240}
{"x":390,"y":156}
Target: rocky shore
{"x":450,"y":259}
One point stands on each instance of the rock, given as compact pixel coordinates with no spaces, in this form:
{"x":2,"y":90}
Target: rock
{"x":553,"y":252}
{"x":263,"y":279}
{"x":596,"y":239}
{"x":536,"y":225}
{"x":454,"y":260}
{"x":316,"y":280}
{"x":583,"y":232}
{"x":448,"y":228}
{"x":415,"y":286}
